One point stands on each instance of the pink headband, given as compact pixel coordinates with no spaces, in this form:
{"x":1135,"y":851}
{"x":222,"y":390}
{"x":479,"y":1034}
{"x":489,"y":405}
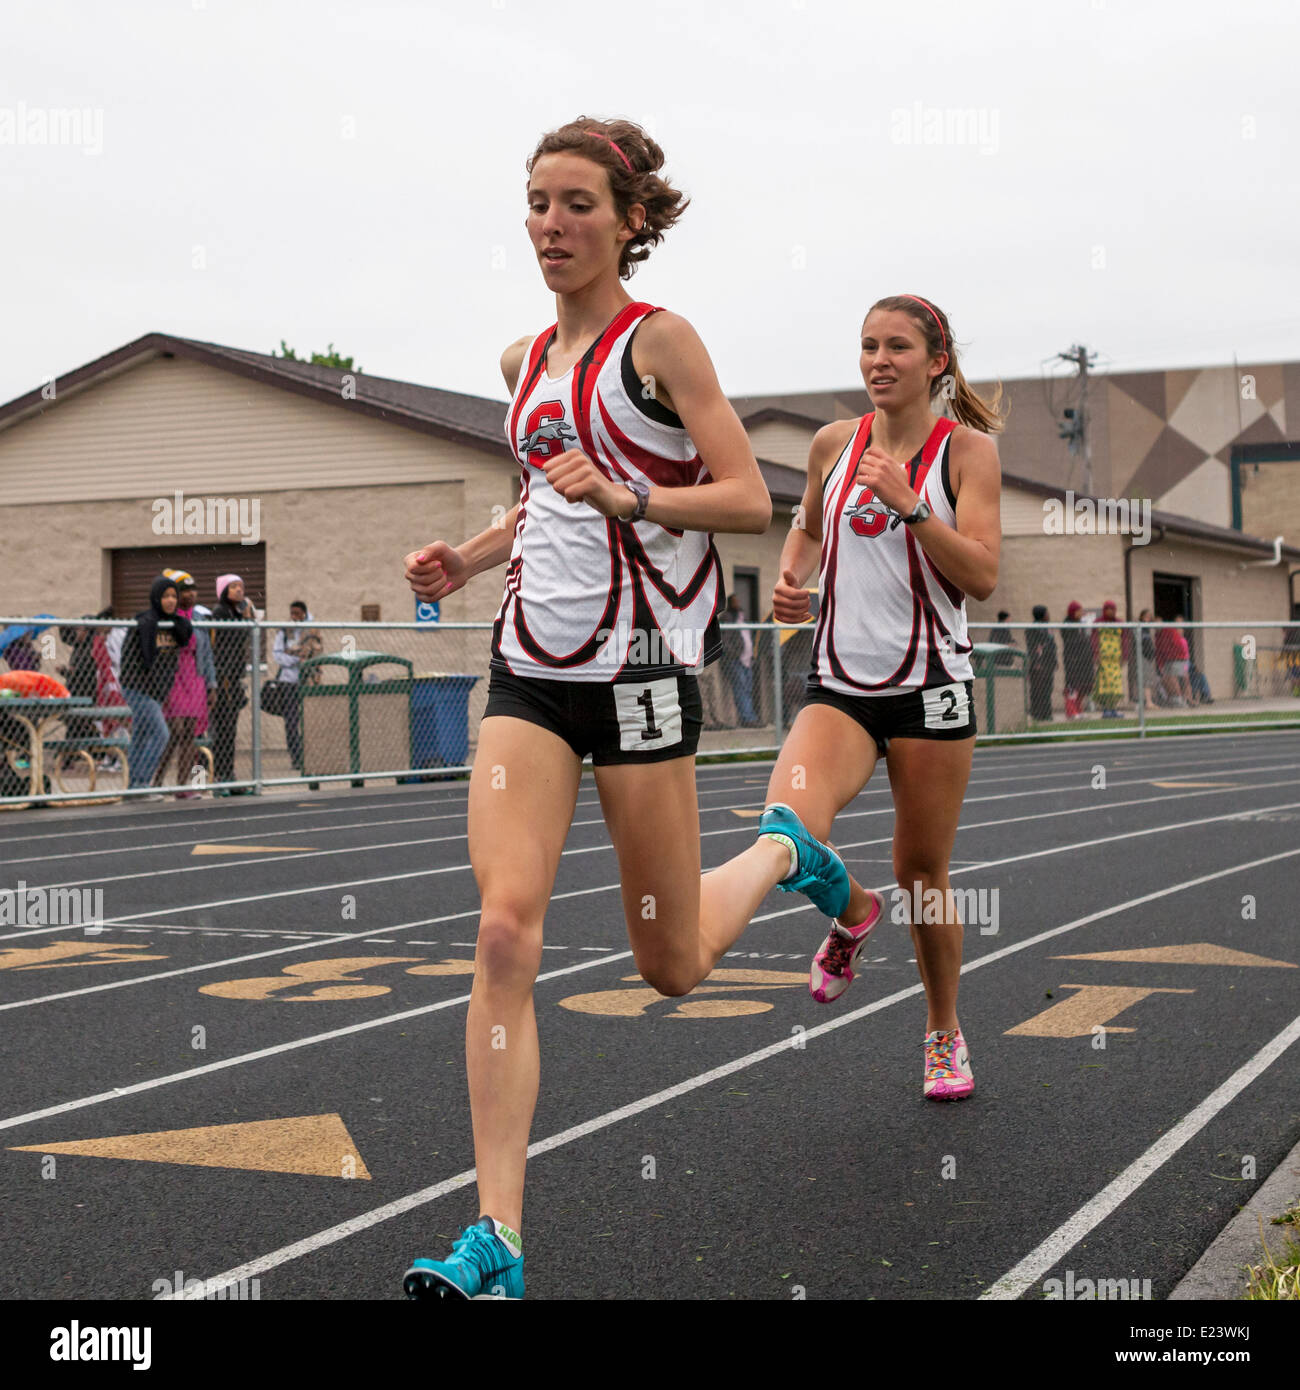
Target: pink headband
{"x":617,"y":151}
{"x":942,"y":336}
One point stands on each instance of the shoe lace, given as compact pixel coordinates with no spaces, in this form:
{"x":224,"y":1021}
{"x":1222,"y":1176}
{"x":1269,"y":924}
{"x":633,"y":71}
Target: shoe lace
{"x":477,"y":1246}
{"x":939,"y":1049}
{"x":836,"y":959}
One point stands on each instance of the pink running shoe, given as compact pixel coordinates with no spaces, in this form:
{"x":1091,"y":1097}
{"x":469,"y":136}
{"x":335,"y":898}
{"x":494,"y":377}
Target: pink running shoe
{"x":833,"y":966}
{"x":947,"y":1066}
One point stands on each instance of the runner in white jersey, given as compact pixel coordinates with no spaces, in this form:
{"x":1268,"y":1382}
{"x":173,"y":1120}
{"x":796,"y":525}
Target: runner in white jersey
{"x":899,"y":545}
{"x":631,"y":457}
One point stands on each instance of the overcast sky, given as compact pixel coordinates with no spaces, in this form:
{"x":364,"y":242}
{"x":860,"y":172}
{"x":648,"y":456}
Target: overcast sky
{"x":1125,"y":175}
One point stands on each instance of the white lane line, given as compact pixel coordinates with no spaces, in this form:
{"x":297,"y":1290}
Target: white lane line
{"x":431,"y":1194}
{"x":200,"y":820}
{"x":277,"y":951}
{"x":888,"y":810}
{"x":986,"y":759}
{"x":1066,"y":1236}
{"x":192,"y":831}
{"x":335,"y":940}
{"x":14,"y":1121}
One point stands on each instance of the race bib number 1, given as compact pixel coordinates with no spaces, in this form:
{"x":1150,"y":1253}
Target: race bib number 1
{"x":649,"y":715}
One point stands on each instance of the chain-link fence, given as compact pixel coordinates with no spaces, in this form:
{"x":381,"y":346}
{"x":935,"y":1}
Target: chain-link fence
{"x":245,"y":707}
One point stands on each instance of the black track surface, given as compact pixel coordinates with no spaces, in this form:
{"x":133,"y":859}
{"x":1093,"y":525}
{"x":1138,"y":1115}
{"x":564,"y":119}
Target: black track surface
{"x":815,"y":1172}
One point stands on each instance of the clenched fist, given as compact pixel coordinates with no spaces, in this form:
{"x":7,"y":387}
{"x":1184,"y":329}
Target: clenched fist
{"x":436,"y":571}
{"x":573,"y":475}
{"x":791,"y":602}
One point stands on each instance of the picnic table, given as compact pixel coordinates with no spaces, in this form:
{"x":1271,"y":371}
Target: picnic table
{"x":38,"y":714}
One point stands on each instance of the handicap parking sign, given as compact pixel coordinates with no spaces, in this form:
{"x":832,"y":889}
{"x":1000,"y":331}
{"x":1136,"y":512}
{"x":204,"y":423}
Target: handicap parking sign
{"x":425,"y":612}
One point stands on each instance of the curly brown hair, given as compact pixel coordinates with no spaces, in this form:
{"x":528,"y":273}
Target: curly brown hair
{"x":636,"y":181}
{"x":968,"y":408}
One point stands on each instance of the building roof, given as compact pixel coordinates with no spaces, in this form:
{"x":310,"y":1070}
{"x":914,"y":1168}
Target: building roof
{"x":449,"y":414}
{"x":480,"y":420}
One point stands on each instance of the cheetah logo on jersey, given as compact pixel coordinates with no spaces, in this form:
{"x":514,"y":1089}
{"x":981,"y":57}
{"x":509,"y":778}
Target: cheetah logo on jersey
{"x":547,"y":434}
{"x":869,"y":518}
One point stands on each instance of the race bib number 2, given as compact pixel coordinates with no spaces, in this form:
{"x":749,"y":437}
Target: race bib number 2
{"x":946,"y":707}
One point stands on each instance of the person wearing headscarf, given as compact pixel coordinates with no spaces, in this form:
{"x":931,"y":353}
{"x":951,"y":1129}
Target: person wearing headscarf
{"x":230,"y":654}
{"x":1110,"y":650}
{"x":1040,"y":648}
{"x":294,"y":645}
{"x":1076,"y":651}
{"x":194,"y":687}
{"x":148,"y":668}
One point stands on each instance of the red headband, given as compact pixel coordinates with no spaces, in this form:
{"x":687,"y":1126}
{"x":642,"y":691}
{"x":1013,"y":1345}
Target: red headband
{"x":600,"y":136}
{"x":943,"y":337}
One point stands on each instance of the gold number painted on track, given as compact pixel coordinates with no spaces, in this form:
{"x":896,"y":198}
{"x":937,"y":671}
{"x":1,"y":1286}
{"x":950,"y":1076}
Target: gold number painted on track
{"x":58,"y":954}
{"x":634,"y":1003}
{"x":342,"y":969}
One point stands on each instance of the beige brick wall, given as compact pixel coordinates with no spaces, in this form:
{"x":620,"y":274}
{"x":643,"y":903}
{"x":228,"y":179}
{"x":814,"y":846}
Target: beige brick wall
{"x":1270,"y":501}
{"x":337,"y":548}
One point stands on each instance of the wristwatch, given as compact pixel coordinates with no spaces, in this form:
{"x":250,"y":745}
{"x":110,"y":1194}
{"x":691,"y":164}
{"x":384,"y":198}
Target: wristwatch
{"x":922,"y":513}
{"x":641,"y":491}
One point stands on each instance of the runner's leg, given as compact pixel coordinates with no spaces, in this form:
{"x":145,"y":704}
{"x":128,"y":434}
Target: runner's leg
{"x":928,"y":778}
{"x":681,"y":924}
{"x":521,"y":798}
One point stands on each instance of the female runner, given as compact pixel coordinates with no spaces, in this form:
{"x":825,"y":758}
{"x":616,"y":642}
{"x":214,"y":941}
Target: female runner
{"x":902,"y":511}
{"x":630,"y":456}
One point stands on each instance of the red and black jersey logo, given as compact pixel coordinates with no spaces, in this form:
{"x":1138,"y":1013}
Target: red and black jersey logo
{"x":546,"y":434}
{"x":870,"y":516}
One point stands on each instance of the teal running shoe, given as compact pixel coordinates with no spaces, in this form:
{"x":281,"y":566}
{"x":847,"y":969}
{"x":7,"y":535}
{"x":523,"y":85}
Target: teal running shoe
{"x":481,"y":1265}
{"x":820,"y":874}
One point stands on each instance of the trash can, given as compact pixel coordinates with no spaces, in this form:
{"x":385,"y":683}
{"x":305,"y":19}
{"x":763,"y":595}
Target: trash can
{"x":355,"y":717}
{"x":994,"y":661}
{"x":440,"y":719}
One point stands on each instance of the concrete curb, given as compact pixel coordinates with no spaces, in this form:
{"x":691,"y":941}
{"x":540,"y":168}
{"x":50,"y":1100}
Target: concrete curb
{"x":1218,"y":1273}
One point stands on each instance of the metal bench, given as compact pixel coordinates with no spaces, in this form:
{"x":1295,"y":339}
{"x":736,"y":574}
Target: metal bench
{"x":73,"y":759}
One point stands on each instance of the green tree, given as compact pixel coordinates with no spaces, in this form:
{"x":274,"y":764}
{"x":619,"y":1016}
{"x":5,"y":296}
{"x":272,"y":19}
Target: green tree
{"x":329,"y":358}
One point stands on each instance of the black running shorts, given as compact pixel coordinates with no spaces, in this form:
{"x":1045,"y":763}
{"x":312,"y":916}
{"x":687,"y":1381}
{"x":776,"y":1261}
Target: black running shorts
{"x":637,"y":722}
{"x":938,"y":711}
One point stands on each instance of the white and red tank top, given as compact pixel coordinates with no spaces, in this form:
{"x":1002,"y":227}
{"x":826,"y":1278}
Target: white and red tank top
{"x":588,"y":597}
{"x":889,"y":622}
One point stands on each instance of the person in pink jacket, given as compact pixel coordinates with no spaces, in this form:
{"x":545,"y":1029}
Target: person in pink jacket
{"x":186,"y":706}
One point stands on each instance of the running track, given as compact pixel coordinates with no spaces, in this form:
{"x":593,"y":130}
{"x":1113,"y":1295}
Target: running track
{"x":742,"y":1143}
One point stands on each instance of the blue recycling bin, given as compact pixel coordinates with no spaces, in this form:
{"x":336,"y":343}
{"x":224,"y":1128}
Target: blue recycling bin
{"x":440,"y":719}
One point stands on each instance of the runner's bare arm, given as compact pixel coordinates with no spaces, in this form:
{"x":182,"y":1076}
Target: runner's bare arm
{"x":802,"y":549}
{"x":968,"y":556}
{"x":670,"y":358}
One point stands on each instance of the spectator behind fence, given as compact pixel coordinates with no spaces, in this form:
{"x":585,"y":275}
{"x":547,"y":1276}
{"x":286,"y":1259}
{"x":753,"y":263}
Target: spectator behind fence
{"x":293,"y":646}
{"x":21,"y":654}
{"x":738,"y":658}
{"x":1040,"y":649}
{"x":1004,"y":637}
{"x":193,"y":691}
{"x":1110,"y":650}
{"x":1076,"y":652}
{"x":230,"y":653}
{"x":1152,"y":685}
{"x":1173,"y":657}
{"x":149,"y":656}
{"x":80,"y":676}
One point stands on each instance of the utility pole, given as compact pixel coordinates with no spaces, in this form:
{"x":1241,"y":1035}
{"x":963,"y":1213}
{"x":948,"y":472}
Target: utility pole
{"x":1075,"y":428}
